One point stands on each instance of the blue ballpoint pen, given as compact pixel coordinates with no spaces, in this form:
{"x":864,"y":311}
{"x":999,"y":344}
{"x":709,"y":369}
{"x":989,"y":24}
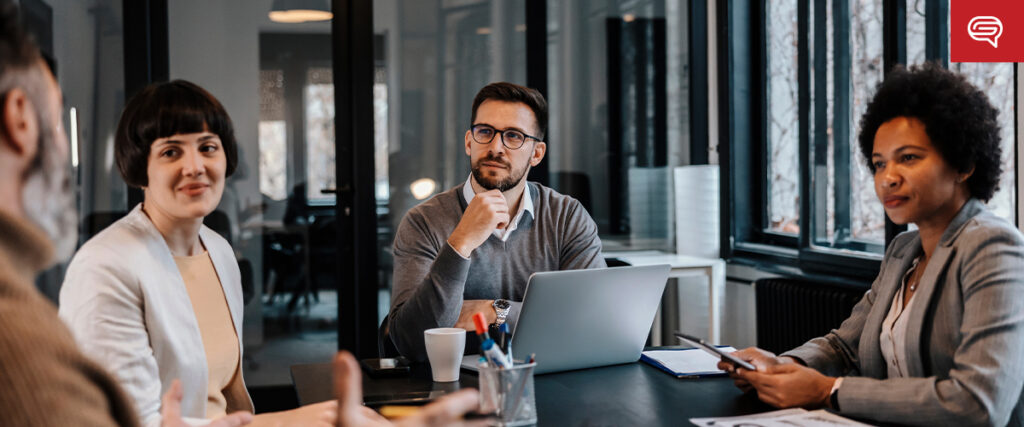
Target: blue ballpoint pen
{"x":493,"y":354}
{"x":506,"y":341}
{"x":501,"y":336}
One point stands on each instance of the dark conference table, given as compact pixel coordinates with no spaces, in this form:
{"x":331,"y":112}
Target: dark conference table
{"x":629,"y":394}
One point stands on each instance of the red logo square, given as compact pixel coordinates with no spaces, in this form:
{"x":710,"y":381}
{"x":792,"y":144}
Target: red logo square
{"x":986,"y":31}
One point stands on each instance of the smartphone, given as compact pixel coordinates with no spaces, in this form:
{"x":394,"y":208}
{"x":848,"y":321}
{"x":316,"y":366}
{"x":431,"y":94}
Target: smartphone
{"x":408,"y":398}
{"x":386,"y":367}
{"x":697,"y":342}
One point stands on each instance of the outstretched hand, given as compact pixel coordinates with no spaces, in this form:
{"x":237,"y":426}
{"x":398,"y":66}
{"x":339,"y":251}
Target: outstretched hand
{"x":348,"y":388}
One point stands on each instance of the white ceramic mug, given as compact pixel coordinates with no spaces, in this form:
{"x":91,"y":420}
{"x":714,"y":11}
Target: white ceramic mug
{"x":444,"y":350}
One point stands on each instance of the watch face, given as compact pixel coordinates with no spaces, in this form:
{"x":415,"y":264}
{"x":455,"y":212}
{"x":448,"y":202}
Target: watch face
{"x":502,"y":304}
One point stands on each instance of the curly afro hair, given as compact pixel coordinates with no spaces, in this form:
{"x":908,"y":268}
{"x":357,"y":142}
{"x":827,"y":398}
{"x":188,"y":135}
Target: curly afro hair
{"x":957,"y":117}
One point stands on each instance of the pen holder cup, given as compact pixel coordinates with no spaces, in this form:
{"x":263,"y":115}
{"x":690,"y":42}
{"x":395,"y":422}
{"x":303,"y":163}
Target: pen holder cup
{"x":508,"y":394}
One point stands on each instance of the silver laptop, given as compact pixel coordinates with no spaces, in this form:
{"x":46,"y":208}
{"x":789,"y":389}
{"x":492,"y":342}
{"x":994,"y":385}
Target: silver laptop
{"x":579,"y":319}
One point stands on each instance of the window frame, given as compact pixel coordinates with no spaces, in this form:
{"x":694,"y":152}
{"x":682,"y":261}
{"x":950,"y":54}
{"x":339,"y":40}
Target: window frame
{"x":743,"y":126}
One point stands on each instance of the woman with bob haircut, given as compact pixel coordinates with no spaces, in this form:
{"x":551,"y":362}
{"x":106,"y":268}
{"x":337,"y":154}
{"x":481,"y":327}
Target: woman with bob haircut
{"x":157,"y":296}
{"x":937,"y":340}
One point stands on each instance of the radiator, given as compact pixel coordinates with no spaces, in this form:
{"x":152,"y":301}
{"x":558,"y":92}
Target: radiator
{"x":792,"y":311}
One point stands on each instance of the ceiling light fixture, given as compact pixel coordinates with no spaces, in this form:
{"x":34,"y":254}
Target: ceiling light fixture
{"x":298,"y":11}
{"x":422,"y":188}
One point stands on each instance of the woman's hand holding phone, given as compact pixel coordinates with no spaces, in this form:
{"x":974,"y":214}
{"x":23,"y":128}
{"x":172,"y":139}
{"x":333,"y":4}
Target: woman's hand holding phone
{"x":760,"y":359}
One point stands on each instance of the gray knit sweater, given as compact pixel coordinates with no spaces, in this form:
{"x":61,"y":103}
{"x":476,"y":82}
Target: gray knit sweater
{"x":431,"y":280}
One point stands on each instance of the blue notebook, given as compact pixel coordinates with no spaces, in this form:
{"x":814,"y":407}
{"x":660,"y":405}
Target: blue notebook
{"x":686,"y":362}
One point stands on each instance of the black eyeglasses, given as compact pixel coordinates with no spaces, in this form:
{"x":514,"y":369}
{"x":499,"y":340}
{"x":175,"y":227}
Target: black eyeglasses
{"x":511,"y":138}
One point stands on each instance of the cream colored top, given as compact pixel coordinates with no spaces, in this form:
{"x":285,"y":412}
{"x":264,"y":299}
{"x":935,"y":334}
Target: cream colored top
{"x":219,"y":338}
{"x":893,"y":339}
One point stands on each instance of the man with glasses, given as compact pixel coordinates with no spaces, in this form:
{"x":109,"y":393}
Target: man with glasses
{"x":472,"y":248}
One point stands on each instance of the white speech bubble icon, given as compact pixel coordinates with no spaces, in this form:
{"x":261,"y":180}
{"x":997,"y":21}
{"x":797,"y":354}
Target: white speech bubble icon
{"x":985,"y":29}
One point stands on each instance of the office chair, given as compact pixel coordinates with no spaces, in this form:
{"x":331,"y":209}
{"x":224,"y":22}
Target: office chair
{"x":385,"y":347}
{"x":576,"y":185}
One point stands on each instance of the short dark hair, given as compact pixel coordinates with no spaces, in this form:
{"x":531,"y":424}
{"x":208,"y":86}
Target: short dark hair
{"x":511,"y":92}
{"x":19,"y":55}
{"x":17,"y":47}
{"x":957,"y":117}
{"x":166,"y":109}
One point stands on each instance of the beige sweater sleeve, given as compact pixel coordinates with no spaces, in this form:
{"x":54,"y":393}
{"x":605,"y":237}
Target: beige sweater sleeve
{"x":45,"y":380}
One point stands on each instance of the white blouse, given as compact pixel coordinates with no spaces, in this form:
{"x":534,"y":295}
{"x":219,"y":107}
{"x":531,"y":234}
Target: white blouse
{"x":894,"y":329}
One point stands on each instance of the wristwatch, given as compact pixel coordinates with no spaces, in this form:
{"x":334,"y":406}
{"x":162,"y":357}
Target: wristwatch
{"x":501,"y":308}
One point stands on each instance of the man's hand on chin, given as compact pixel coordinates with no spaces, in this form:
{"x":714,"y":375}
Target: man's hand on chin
{"x":474,"y":306}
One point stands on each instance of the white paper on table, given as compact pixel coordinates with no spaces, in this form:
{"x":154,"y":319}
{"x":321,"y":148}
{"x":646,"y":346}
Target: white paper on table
{"x":784,"y":418}
{"x":692,"y":361}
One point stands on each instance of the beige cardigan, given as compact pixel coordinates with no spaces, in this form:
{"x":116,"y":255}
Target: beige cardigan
{"x":126,"y":303}
{"x":44,"y":379}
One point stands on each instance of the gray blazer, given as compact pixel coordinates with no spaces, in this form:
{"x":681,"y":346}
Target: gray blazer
{"x":965,"y":334}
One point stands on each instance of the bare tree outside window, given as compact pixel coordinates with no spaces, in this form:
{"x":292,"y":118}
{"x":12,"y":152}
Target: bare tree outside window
{"x":996,"y":80}
{"x":867,"y":220}
{"x":916,"y":31}
{"x":783,"y":134}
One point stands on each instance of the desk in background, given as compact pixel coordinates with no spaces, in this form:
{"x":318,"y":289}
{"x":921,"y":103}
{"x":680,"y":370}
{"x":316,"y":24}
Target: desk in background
{"x":685,"y":266}
{"x":619,"y":395}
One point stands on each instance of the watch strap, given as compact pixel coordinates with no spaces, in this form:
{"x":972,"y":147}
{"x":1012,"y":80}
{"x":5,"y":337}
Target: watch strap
{"x":501,"y":313}
{"x":833,"y":396}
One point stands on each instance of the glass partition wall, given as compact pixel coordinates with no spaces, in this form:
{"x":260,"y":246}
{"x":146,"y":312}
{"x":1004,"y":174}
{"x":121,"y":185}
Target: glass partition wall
{"x":618,"y":75}
{"x":618,"y":92}
{"x":84,"y":42}
{"x":275,"y":80}
{"x":431,"y":59}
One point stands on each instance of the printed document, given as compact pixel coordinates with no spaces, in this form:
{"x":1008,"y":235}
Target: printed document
{"x":785,"y":418}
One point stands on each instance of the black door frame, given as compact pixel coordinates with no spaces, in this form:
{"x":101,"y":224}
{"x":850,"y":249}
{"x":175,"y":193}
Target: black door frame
{"x":146,"y":53}
{"x":352,"y":34}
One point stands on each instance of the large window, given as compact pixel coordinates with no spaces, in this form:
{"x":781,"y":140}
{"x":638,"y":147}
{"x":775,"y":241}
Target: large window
{"x":996,"y":80}
{"x":783,"y":173}
{"x":845,"y":44}
{"x":867,"y":221}
{"x":797,"y":188}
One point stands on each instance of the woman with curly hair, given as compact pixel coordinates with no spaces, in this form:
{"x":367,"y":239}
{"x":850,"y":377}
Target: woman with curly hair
{"x":937,"y":339}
